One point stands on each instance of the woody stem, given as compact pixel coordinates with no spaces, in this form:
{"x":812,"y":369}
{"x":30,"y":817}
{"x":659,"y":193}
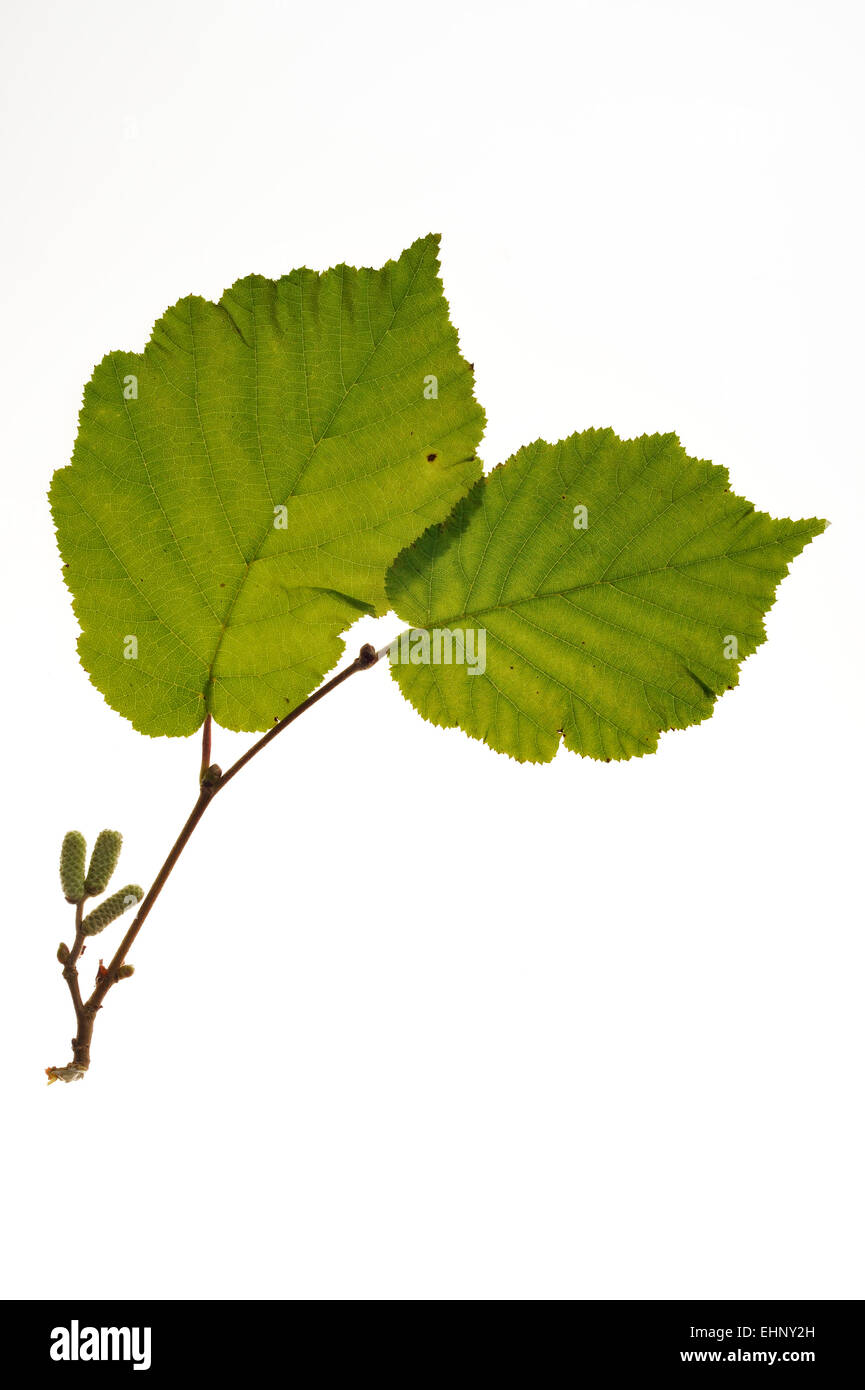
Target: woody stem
{"x":212,"y":780}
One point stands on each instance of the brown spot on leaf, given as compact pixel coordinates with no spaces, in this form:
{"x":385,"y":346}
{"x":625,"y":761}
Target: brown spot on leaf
{"x":431,"y":458}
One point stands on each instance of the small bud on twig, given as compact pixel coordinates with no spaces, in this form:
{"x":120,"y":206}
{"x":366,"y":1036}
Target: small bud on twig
{"x":72,"y":856}
{"x":63,"y":953}
{"x":111,"y":909}
{"x":124,"y":972}
{"x":103,"y":860}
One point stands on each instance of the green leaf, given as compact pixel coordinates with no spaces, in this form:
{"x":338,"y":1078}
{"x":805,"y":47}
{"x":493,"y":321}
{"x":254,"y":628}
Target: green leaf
{"x":238,"y":490}
{"x":606,"y":635}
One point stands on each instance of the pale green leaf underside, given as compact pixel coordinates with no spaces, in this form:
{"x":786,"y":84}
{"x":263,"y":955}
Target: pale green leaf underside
{"x":311,"y":393}
{"x":604,"y":636}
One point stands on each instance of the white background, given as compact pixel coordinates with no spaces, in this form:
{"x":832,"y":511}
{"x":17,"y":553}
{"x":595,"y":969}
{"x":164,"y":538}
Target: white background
{"x":411,"y":1020}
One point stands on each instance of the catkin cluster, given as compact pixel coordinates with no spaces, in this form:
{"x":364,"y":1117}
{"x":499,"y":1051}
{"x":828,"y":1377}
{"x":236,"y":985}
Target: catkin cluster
{"x":78,"y":886}
{"x":103,"y":861}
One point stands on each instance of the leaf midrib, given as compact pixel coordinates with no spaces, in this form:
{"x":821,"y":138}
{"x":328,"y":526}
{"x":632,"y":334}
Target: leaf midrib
{"x":594,"y":583}
{"x":226,"y":622}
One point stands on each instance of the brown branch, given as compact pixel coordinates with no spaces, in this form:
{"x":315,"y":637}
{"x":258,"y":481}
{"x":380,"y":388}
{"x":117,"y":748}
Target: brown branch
{"x":70,"y":969}
{"x":366,"y":657}
{"x":212,"y":780}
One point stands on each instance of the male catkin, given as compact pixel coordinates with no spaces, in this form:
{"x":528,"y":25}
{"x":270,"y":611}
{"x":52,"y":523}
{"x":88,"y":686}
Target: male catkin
{"x":103,"y":860}
{"x":111,"y":909}
{"x":72,"y":856}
